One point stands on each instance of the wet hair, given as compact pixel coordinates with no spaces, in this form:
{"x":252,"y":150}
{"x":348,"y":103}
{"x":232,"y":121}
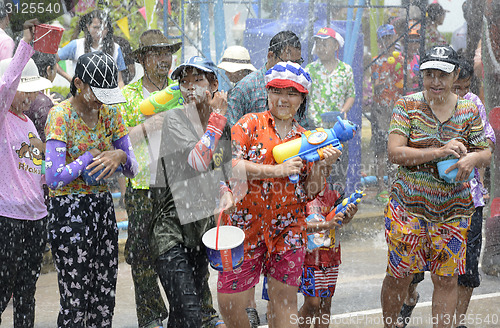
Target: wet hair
{"x":42,"y":61}
{"x":72,"y":86}
{"x":3,"y":10}
{"x":466,"y":69}
{"x":108,"y":44}
{"x":283,"y":40}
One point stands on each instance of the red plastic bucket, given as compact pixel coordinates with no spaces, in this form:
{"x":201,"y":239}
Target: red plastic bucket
{"x":47,"y":38}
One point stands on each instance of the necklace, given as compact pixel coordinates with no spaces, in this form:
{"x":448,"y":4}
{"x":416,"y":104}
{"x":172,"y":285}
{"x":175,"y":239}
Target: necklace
{"x":150,"y":80}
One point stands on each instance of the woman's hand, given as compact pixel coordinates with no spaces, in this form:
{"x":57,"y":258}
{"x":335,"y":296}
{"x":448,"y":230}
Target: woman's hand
{"x":330,"y":157}
{"x":465,"y":166}
{"x":349,"y":213}
{"x":227,"y":203}
{"x":455,"y":148}
{"x":29,"y":31}
{"x":218,"y":103}
{"x":292,"y":166}
{"x":109,"y":161}
{"x":336,"y":222}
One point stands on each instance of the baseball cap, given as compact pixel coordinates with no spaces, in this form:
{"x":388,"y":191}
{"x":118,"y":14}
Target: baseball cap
{"x":327,"y":32}
{"x":236,"y":58}
{"x":386,"y":29}
{"x":288,"y":74}
{"x":198,"y":62}
{"x":443,"y":58}
{"x":99,"y":70}
{"x":31,"y":81}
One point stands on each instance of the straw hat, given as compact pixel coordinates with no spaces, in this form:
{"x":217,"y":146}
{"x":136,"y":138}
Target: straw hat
{"x":236,"y":58}
{"x":154,"y":39}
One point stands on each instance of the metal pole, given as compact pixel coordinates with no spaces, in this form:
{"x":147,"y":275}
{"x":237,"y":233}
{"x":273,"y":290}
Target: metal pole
{"x":310,"y":30}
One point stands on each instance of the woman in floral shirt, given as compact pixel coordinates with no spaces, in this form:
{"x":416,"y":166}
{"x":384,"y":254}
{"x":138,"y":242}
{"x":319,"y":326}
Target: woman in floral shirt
{"x":86,"y":136}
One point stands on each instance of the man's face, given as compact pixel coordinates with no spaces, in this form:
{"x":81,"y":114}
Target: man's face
{"x":158,"y":62}
{"x":326,"y":48}
{"x":287,"y":54}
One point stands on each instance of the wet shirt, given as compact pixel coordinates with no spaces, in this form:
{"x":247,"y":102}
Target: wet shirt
{"x":419,"y":188}
{"x":390,"y":78}
{"x":273,"y":209}
{"x":21,"y":195}
{"x":433,"y":37}
{"x":477,"y":189}
{"x":64,"y":124}
{"x":184,"y":199}
{"x":132,"y":116}
{"x":324,"y":257}
{"x":330,"y":90}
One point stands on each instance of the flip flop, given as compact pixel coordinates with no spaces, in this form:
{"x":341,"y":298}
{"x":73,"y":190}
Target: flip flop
{"x":405,"y":314}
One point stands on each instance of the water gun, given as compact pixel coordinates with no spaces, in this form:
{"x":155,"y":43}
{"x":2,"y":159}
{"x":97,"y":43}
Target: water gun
{"x":322,"y":238}
{"x":160,"y":101}
{"x":398,"y":68}
{"x":310,"y":145}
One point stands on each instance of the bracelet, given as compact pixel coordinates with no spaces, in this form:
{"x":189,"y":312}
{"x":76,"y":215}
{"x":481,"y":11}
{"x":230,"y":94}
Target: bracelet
{"x":219,"y":323}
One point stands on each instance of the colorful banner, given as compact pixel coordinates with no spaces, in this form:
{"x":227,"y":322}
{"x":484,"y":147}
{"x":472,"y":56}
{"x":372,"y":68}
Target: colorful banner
{"x":123,"y":25}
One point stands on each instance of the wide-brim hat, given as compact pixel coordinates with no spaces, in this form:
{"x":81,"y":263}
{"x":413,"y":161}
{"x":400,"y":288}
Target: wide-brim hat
{"x":236,"y":58}
{"x":99,"y":70}
{"x":154,"y":39}
{"x":31,"y":81}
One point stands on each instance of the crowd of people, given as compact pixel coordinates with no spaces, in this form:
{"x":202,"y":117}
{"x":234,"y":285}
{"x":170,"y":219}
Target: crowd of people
{"x":209,"y":154}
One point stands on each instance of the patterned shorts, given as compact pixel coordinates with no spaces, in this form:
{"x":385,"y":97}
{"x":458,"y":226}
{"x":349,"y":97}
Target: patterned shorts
{"x":319,"y":282}
{"x":285,"y":267}
{"x":415,"y":245}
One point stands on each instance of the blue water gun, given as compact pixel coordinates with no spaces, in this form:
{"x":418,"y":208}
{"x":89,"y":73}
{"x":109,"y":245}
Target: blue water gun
{"x":310,"y":145}
{"x":322,"y":238}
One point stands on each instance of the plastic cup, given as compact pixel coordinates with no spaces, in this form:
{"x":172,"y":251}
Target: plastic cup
{"x":47,"y":38}
{"x":228,"y":254}
{"x":450,"y":176}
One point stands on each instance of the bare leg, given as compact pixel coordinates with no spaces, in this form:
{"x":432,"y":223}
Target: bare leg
{"x":251,"y":303}
{"x":394,"y":291}
{"x":309,"y":310}
{"x":464,"y":295}
{"x":410,"y":300}
{"x":444,"y":300}
{"x":324,"y":312}
{"x":283,"y":299}
{"x":232,"y":308}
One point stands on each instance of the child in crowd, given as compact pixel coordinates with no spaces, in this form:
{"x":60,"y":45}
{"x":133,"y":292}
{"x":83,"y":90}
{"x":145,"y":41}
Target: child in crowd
{"x":272,"y":211}
{"x":194,"y":164}
{"x":23,"y":214}
{"x":333,"y":89}
{"x":321,"y":265}
{"x":387,"y":82}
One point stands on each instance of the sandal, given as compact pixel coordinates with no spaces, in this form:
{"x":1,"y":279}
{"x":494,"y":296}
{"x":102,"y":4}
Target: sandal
{"x":253,"y":317}
{"x":405,"y":314}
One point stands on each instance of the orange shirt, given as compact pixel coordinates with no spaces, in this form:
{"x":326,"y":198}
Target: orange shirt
{"x":273,"y":210}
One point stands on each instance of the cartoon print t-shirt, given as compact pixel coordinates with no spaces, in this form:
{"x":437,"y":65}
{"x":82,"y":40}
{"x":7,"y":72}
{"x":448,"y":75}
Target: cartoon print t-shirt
{"x":65,"y":125}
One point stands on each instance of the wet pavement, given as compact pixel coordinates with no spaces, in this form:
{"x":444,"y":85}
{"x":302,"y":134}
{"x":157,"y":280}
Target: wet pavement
{"x":356,"y":302}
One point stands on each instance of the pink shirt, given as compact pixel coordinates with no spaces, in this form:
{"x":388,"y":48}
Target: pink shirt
{"x":6,"y":45}
{"x":21,"y":195}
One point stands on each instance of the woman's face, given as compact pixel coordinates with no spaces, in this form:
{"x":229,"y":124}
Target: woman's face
{"x":97,"y":30}
{"x":438,"y":84}
{"x":23,"y":100}
{"x":88,"y":95}
{"x":462,"y":86}
{"x":194,"y":86}
{"x":284,"y":102}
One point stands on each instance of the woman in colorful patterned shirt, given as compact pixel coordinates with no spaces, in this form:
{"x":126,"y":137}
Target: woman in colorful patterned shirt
{"x":427,"y":218}
{"x":86,"y":135}
{"x":272,"y":211}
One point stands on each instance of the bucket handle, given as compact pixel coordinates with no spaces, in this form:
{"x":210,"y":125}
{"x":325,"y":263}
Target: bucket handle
{"x":217,"y":233}
{"x":42,"y":36}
